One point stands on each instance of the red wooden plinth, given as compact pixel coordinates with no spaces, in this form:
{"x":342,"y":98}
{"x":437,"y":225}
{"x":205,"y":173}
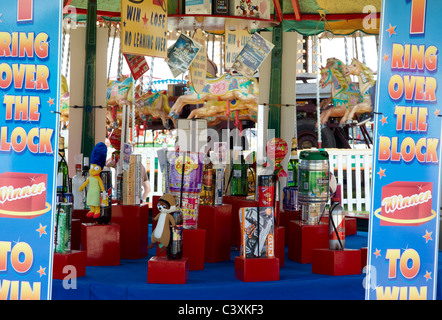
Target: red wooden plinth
{"x":161,"y":270}
{"x":101,"y":243}
{"x":350,"y":226}
{"x":81,"y":214}
{"x":280,"y":245}
{"x":284,"y":220}
{"x":134,"y":229}
{"x":217,"y":221}
{"x":194,"y":244}
{"x":237,"y":203}
{"x":277,"y":214}
{"x":73,"y":259}
{"x":336,"y":262}
{"x":304,"y":238}
{"x":75,"y":234}
{"x":256,"y":269}
{"x":364,"y":257}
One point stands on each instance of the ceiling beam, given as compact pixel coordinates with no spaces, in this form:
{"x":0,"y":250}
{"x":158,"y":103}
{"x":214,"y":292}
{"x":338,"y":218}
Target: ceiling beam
{"x":278,"y":10}
{"x":330,"y":17}
{"x":297,"y":10}
{"x":100,"y":13}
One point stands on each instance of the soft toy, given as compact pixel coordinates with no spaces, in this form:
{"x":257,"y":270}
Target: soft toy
{"x":97,"y":162}
{"x":166,"y":205}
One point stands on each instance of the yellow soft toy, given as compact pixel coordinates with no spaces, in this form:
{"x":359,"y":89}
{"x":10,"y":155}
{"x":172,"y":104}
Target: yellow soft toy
{"x":98,"y":160}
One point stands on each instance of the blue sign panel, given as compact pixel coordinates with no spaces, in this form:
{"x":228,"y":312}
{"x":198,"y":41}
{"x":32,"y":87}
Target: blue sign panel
{"x":30,"y":37}
{"x":404,"y":217}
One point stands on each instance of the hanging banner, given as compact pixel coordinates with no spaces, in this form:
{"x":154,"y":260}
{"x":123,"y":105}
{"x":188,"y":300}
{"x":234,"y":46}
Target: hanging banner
{"x":252,"y":55}
{"x":181,"y":54}
{"x":144,"y":27}
{"x":235,"y":41}
{"x":404,"y":216}
{"x":137,"y":65}
{"x":30,"y":51}
{"x":199,"y":65}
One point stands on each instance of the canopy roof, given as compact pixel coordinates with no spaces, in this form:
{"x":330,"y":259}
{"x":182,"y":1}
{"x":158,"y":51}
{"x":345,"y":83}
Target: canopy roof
{"x":308,"y":17}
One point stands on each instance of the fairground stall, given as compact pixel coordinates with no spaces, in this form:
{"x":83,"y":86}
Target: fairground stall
{"x":221,"y":150}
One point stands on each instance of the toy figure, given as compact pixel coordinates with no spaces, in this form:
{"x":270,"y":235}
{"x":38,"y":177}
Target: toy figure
{"x":161,"y":234}
{"x":97,"y":160}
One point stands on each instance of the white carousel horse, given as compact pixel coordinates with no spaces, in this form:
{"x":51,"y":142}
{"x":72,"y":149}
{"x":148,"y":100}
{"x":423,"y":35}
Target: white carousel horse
{"x":346,"y":97}
{"x":366,"y":82}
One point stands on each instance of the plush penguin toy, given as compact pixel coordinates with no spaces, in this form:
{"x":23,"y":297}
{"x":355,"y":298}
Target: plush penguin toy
{"x":161,"y":234}
{"x":97,"y":160}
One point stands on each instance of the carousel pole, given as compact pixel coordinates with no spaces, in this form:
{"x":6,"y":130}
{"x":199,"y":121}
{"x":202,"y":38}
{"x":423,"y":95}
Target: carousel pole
{"x":88,"y":131}
{"x":274,"y":121}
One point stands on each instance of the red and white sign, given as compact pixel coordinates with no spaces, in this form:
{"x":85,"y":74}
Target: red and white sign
{"x":137,"y":65}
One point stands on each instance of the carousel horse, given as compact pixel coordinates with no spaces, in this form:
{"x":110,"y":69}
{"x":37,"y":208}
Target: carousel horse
{"x":345,"y":94}
{"x":64,"y":100}
{"x":119,"y":93}
{"x":217,"y":111}
{"x":228,"y":87}
{"x":366,"y":82}
{"x":155,"y":105}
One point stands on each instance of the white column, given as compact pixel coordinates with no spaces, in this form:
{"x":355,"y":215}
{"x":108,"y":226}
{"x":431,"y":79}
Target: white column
{"x":76,"y":84}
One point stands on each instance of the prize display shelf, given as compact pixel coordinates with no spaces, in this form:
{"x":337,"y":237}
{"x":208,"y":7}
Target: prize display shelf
{"x":216,"y":23}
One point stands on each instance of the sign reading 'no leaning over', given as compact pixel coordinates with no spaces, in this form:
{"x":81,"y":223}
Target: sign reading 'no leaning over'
{"x":144,"y":27}
{"x":404,"y":217}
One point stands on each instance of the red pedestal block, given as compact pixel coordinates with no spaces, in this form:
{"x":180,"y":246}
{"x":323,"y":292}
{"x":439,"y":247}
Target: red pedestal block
{"x":134,"y":229}
{"x":237,"y":203}
{"x":336,"y":262}
{"x":81,"y":214}
{"x":364,"y":257}
{"x":75,"y":259}
{"x":256,"y":269}
{"x":194,"y":243}
{"x":350,"y":226}
{"x":217,"y":221}
{"x":280,"y":245}
{"x":194,"y":248}
{"x":101,"y":243}
{"x":75,"y":234}
{"x":304,"y":238}
{"x":161,"y":270}
{"x":284,"y":220}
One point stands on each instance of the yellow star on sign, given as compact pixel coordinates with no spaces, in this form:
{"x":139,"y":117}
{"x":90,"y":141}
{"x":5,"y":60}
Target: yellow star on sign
{"x":427,"y":236}
{"x":377,"y":253}
{"x":41,"y":230}
{"x":42,"y":271}
{"x":391,"y":30}
{"x":427,"y":275}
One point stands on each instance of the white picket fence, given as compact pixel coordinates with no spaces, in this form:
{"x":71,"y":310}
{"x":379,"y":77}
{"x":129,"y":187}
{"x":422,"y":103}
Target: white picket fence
{"x":355,"y":183}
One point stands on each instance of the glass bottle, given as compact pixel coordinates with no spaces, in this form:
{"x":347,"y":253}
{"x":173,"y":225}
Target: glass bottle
{"x":85,"y":176}
{"x":62,"y":170}
{"x":77,"y":181}
{"x":292,"y":172}
{"x":207,"y":190}
{"x":175,"y":248}
{"x":239,"y":178}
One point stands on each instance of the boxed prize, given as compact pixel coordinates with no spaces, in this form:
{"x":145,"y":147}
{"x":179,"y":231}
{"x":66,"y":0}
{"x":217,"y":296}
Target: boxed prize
{"x":198,"y":7}
{"x":250,"y":8}
{"x":257,"y":232}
